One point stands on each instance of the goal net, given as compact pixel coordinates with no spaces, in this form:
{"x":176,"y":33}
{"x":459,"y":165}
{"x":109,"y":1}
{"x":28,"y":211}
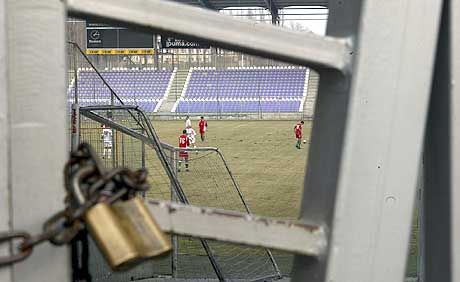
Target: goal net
{"x":208,"y":182}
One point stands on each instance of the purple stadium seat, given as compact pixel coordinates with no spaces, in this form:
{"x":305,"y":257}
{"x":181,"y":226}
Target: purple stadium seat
{"x":144,"y":88}
{"x":239,"y":90}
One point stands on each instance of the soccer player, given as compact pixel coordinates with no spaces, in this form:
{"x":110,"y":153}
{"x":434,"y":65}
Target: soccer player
{"x":184,"y":142}
{"x":191,"y":133}
{"x":203,"y":124}
{"x":188,"y":122}
{"x":298,"y":133}
{"x":107,"y":139}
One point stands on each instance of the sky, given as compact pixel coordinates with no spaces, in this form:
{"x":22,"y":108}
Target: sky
{"x":298,"y":18}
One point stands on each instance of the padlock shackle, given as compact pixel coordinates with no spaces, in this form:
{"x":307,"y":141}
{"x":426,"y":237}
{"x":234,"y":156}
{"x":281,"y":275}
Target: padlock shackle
{"x":76,"y":181}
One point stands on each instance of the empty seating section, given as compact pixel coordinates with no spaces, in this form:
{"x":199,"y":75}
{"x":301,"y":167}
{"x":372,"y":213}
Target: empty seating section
{"x":244,"y":90}
{"x":145,"y":88}
{"x":241,"y":83}
{"x":238,"y":106}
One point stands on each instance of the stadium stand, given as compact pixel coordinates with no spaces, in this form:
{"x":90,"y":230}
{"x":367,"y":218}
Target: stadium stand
{"x":206,"y":90}
{"x":265,"y":89}
{"x":146,"y":88}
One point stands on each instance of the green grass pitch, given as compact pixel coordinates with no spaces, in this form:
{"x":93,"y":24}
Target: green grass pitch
{"x":265,"y":162}
{"x":262,"y":156}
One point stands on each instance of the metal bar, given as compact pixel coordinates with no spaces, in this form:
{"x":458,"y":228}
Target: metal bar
{"x":246,"y":206}
{"x":75,"y":126}
{"x":37,"y":132}
{"x":220,"y":30}
{"x":143,"y":156}
{"x":115,"y":125}
{"x":75,"y":115}
{"x":109,"y":107}
{"x":290,"y":14}
{"x":271,"y":6}
{"x":267,"y":278}
{"x":114,"y":150}
{"x":122,"y":150}
{"x":113,"y":94}
{"x":442,"y":148}
{"x":156,"y":59}
{"x":142,"y":150}
{"x":75,"y":72}
{"x":197,"y":149}
{"x":237,"y":187}
{"x":175,"y":250}
{"x":226,"y":226}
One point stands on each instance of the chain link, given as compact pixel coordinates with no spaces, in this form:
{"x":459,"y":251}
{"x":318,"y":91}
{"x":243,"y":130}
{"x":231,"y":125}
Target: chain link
{"x":87,"y":183}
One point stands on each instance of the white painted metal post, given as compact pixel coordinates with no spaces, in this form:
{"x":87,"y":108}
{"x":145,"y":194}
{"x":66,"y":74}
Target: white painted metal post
{"x":5,"y":199}
{"x":376,"y":159}
{"x":37,"y":129}
{"x":383,"y":143}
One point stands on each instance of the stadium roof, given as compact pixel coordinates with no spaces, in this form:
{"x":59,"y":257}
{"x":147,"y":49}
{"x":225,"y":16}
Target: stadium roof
{"x":272,"y":5}
{"x":279,"y":4}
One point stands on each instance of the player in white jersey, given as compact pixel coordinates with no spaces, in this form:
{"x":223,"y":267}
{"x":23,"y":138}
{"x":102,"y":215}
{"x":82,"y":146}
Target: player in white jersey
{"x":107,"y":141}
{"x":191,"y":134}
{"x":188,"y":122}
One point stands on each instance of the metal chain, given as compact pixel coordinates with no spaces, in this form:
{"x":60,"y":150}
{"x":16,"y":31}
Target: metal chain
{"x":87,"y":183}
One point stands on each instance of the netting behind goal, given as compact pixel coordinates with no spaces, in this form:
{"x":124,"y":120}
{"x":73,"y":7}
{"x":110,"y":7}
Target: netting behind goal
{"x":127,"y":151}
{"x":207,"y":183}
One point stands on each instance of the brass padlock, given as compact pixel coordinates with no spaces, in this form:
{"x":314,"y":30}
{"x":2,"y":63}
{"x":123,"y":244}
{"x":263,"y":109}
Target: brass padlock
{"x":142,"y":228}
{"x":110,"y":236}
{"x":125,"y":232}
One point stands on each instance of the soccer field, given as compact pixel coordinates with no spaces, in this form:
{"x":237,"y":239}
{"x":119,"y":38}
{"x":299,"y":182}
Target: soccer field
{"x":268,"y":167}
{"x":262,"y":156}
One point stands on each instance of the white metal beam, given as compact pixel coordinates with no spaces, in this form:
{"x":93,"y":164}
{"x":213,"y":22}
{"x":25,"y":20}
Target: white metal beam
{"x":37,"y":113}
{"x":238,"y":228}
{"x":225,"y":31}
{"x":383,"y":143}
{"x":368,"y":165}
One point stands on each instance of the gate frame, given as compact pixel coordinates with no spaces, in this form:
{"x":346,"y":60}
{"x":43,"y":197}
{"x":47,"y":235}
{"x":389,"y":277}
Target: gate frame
{"x":177,"y":194}
{"x":368,"y":238}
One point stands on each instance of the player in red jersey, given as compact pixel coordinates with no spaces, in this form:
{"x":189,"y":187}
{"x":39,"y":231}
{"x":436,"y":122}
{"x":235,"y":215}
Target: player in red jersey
{"x":298,"y":133}
{"x":203,"y":124}
{"x":184,"y":142}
